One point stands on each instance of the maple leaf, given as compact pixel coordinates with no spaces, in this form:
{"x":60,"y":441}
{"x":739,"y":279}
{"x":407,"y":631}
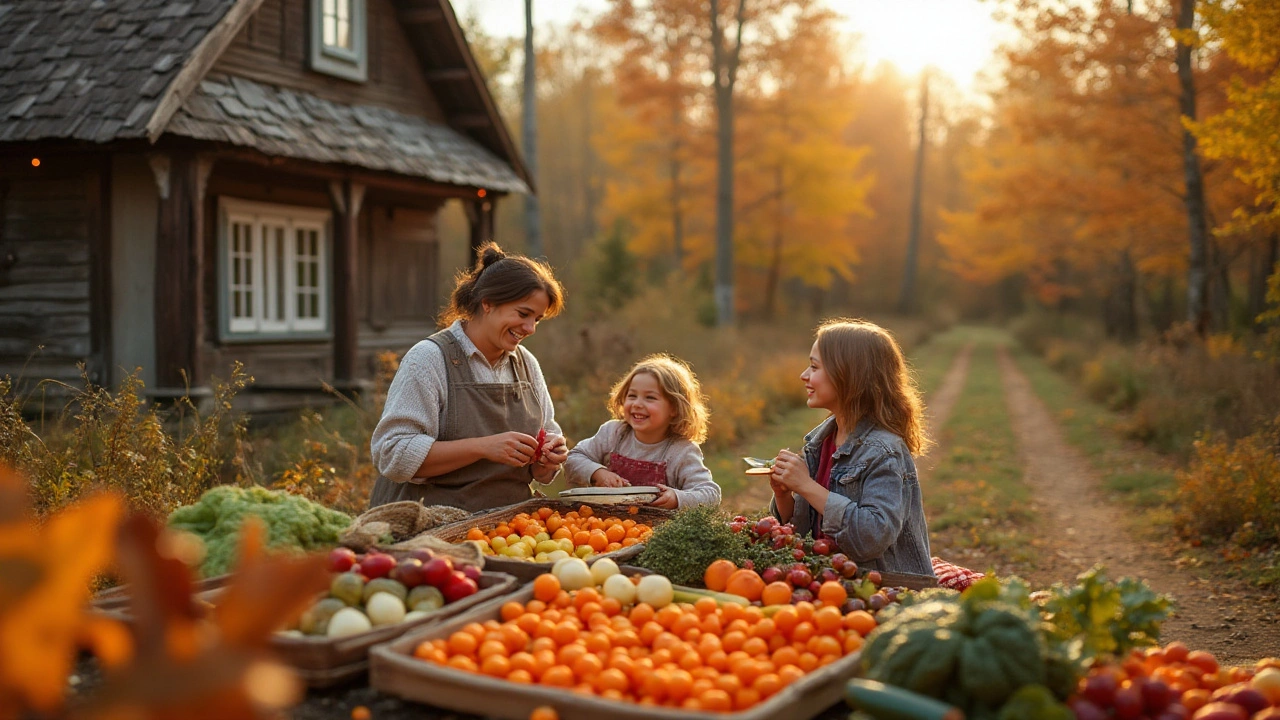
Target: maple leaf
{"x":45,"y":576}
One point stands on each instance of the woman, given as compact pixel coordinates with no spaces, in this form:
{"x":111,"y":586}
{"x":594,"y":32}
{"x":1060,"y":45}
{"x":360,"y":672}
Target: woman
{"x":856,"y":483}
{"x":468,"y":420}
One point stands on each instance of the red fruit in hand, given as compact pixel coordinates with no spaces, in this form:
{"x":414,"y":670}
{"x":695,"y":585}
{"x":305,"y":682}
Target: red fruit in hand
{"x":438,"y":572}
{"x":341,"y":559}
{"x":458,"y":587}
{"x":376,"y":565}
{"x":542,"y":437}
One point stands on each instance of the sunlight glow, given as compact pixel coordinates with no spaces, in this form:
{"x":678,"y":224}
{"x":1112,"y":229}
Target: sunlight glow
{"x":957,"y":37}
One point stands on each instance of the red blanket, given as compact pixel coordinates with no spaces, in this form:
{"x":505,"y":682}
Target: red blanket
{"x":953,"y":576}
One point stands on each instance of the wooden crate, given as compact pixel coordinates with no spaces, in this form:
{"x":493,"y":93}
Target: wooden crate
{"x":323,"y":662}
{"x":909,"y":581}
{"x":527,"y":570}
{"x":394,"y":670}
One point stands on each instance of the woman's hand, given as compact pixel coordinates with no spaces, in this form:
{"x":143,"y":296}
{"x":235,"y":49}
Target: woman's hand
{"x":511,"y":448}
{"x":554,"y":452}
{"x":790,"y":471}
{"x":666,"y":499}
{"x":604,"y":477}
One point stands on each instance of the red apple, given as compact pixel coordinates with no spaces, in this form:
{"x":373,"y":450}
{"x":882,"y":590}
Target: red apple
{"x":874,"y":577}
{"x":850,"y":569}
{"x":1128,"y":703}
{"x":1100,"y":689}
{"x":1156,"y":696}
{"x":458,"y":587}
{"x":376,"y":565}
{"x":798,"y":554}
{"x":438,"y":571}
{"x":801,"y":595}
{"x":799,"y":578}
{"x":472,"y":572}
{"x":341,"y":559}
{"x":814,"y":587}
{"x":829,"y":575}
{"x":1086,"y":710}
{"x":822,"y":546}
{"x":771,"y":575}
{"x":408,"y":573}
{"x":422,"y":555}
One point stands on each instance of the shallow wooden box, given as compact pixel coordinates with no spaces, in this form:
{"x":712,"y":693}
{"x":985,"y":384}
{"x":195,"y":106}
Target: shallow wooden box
{"x":323,"y":662}
{"x":394,"y":670}
{"x":527,"y":570}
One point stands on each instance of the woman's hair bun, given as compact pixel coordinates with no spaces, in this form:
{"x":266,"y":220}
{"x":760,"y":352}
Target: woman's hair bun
{"x":490,"y":253}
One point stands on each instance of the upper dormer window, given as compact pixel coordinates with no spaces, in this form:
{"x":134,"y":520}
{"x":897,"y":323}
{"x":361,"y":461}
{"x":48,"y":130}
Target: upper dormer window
{"x":338,"y":41}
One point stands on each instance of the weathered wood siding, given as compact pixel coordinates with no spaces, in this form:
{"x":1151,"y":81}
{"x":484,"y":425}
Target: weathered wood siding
{"x":402,"y":281}
{"x":272,"y":48}
{"x":49,"y":234}
{"x":134,"y":209}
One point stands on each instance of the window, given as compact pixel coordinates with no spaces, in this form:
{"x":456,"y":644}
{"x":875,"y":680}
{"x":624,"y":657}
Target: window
{"x":274,"y":270}
{"x":338,"y":42}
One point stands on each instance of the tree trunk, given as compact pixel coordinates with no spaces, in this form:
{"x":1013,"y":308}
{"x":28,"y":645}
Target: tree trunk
{"x":1219,"y":289}
{"x":1197,"y":226}
{"x":677,"y":216}
{"x":906,"y":299}
{"x":1264,"y":258}
{"x":725,"y":74}
{"x":590,"y":191}
{"x":775,"y":262}
{"x":532,"y":213}
{"x":1120,"y":317}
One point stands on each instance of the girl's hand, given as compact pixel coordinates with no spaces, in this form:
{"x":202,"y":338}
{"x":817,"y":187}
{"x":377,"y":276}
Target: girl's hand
{"x":666,"y":499}
{"x":511,"y":448}
{"x":779,"y":490}
{"x":604,"y":477}
{"x":554,"y":452}
{"x":790,"y":471}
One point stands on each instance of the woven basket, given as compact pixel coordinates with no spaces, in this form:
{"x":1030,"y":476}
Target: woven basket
{"x":401,"y":520}
{"x":527,"y":569}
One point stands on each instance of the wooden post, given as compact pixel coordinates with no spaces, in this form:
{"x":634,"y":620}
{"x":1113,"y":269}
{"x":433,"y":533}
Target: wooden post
{"x":179,"y":287}
{"x":480,"y":220}
{"x":347,"y":198}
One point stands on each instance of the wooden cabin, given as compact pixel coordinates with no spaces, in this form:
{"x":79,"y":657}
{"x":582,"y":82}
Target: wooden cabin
{"x":187,"y":183}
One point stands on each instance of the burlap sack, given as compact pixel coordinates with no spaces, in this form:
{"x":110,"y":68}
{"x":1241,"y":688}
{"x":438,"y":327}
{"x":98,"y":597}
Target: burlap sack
{"x":399,"y":520}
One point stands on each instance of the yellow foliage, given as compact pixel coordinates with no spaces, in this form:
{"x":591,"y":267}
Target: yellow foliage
{"x":1232,"y":489}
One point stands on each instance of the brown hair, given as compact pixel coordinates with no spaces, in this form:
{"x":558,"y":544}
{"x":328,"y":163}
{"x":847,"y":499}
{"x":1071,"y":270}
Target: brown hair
{"x":872,"y":379}
{"x":681,"y":388}
{"x":500,"y":278}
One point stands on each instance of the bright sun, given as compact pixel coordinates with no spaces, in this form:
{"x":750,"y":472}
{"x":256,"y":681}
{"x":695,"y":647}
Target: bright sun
{"x":958,"y":37}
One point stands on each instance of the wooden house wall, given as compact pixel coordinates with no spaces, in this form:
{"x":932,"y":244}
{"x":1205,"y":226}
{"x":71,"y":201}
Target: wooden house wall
{"x":50,"y":234}
{"x":398,"y":278}
{"x":135,"y":202}
{"x":272,"y":48}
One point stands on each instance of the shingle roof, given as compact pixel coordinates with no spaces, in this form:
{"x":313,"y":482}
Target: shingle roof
{"x":294,"y":124}
{"x":93,"y":70}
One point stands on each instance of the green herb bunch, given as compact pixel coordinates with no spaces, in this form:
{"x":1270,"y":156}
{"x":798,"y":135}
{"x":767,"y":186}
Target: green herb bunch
{"x":692,"y":539}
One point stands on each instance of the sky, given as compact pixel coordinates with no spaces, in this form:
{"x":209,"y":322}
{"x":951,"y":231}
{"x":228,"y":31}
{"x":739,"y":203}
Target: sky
{"x":958,"y":37}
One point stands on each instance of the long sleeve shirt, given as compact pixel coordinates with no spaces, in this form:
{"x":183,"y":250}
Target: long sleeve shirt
{"x":686,"y":472}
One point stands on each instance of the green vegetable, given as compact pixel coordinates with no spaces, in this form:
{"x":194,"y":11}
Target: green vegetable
{"x":1035,"y":702}
{"x":692,"y":595}
{"x":293,"y":522}
{"x":886,"y":702}
{"x":973,"y":651}
{"x":1106,"y":618}
{"x":683,"y":547}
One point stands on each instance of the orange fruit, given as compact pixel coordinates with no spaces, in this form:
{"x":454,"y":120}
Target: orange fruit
{"x":679,"y":685}
{"x":789,"y":674}
{"x":546,"y":587}
{"x":496,"y":665}
{"x":612,"y":679}
{"x":544,"y":712}
{"x":765,"y":629}
{"x":745,"y":583}
{"x":462,"y":662}
{"x":786,"y":620}
{"x":463,"y":643}
{"x":860,"y":621}
{"x":745,"y":698}
{"x":832,"y":593}
{"x":776,"y":593}
{"x":767,"y":684}
{"x":557,"y":676}
{"x":715,"y":700}
{"x":361,"y":712}
{"x":828,"y":619}
{"x":802,"y":632}
{"x":717,"y":574}
{"x":476,"y":533}
{"x":733,"y":640}
{"x":587,"y":667}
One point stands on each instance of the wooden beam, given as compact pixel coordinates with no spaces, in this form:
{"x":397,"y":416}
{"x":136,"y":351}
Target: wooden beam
{"x":421,"y":16}
{"x":179,"y":283}
{"x":98,"y":211}
{"x":480,"y":219}
{"x":198,"y":64}
{"x":347,"y":198}
{"x":440,"y":74}
{"x":470,"y":120}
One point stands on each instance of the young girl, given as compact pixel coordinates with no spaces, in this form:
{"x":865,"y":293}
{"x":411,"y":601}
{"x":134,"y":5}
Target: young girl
{"x":856,"y":482}
{"x":660,"y":417}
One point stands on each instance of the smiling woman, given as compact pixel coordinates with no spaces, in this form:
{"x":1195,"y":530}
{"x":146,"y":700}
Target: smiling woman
{"x":468,"y":420}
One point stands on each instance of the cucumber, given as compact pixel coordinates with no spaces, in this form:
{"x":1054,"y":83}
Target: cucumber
{"x":690,"y":595}
{"x":887,"y":702}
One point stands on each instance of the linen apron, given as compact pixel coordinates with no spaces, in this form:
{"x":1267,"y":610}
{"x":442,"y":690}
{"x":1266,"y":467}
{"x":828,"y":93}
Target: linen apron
{"x":474,"y":409}
{"x":640,"y":472}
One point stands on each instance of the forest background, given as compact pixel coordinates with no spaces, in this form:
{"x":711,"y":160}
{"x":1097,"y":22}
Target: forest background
{"x":1111,"y":200}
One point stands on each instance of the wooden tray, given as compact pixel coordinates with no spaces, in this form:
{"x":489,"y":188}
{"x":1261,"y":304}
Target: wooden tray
{"x":323,"y":662}
{"x":394,"y":670}
{"x":115,"y":601}
{"x":526,"y":570}
{"x":909,"y":581}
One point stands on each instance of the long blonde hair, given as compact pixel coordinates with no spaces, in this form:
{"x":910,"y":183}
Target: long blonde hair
{"x":681,"y":388}
{"x":871,"y":379}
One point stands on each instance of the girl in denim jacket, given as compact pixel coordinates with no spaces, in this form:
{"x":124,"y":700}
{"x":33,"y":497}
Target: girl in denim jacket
{"x":856,"y":481}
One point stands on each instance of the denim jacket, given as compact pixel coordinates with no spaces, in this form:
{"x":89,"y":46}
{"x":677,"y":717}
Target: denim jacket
{"x":874,"y":510}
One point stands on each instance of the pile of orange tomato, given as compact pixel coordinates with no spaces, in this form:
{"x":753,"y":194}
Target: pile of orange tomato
{"x":580,"y":527}
{"x":702,"y":656}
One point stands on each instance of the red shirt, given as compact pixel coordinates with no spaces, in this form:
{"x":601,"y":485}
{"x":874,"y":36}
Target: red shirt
{"x":825,"y":462}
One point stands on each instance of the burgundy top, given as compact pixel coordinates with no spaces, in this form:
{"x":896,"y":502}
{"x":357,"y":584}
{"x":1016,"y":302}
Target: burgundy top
{"x":825,"y":462}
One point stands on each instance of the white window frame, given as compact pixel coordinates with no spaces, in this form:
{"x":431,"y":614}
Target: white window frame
{"x":264,"y":284}
{"x":347,"y":63}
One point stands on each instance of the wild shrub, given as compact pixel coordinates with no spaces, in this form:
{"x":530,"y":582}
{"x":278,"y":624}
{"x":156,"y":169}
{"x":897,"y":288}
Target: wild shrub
{"x":1231,"y":491}
{"x":104,"y":439}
